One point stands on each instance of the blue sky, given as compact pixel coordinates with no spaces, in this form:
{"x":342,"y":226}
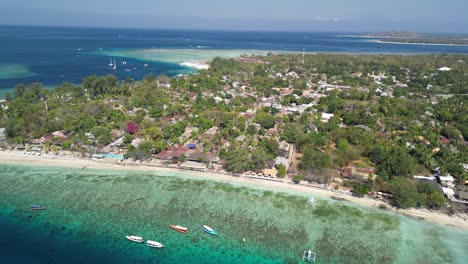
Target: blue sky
{"x":282,"y":15}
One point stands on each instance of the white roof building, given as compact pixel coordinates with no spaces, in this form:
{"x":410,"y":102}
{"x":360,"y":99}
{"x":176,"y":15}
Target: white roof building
{"x":431,"y":178}
{"x":136,"y":142}
{"x":283,"y":161}
{"x":446,"y":178}
{"x":447,"y":181}
{"x":327,"y":116}
{"x":448,"y":192}
{"x":445,"y":69}
{"x":118,"y":142}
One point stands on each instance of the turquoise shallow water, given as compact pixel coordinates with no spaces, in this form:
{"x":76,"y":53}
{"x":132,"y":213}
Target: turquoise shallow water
{"x":90,"y":212}
{"x":14,"y":71}
{"x":179,"y":55}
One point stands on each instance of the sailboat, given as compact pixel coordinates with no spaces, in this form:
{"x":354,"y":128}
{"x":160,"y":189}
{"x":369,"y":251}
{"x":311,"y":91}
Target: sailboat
{"x":111,"y":63}
{"x":115,"y":65}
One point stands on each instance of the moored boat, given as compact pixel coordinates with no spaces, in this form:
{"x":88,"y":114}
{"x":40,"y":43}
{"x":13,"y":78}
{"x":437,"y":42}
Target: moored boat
{"x":135,"y":239}
{"x":37,"y":207}
{"x":308,"y":256}
{"x":209,"y":230}
{"x":154,"y":244}
{"x":181,"y":229}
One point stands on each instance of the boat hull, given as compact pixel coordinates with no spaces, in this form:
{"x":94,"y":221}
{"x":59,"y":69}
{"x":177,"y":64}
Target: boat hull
{"x":153,"y":244}
{"x":135,"y":239}
{"x":209,"y":230}
{"x":182,"y":230}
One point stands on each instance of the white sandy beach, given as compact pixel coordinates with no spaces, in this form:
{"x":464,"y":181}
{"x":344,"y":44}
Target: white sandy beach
{"x":15,"y":157}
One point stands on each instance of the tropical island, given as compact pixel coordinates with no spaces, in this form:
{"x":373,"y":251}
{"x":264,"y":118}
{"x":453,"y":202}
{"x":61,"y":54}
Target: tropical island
{"x":404,"y":37}
{"x":393,"y":34}
{"x":390,"y":128}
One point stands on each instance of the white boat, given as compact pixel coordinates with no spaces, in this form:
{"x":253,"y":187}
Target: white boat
{"x":146,"y":65}
{"x":135,"y":239}
{"x":115,"y":65}
{"x":209,"y":230}
{"x":154,"y":244}
{"x":111,"y":63}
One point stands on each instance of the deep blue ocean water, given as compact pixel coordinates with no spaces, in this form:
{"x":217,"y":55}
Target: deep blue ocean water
{"x":52,"y":55}
{"x":24,"y":241}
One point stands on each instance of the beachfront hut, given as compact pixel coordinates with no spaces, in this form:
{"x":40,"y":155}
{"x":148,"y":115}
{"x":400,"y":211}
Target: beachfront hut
{"x":193,"y":166}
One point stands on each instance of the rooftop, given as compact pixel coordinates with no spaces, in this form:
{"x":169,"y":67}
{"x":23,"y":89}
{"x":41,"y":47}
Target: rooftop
{"x":446,"y":178}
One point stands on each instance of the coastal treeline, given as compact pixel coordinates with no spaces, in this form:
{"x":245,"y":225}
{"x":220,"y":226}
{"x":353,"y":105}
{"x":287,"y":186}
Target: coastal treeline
{"x":371,"y":121}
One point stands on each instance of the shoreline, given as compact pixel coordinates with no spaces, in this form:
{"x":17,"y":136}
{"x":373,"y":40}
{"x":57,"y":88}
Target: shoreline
{"x":15,"y":157}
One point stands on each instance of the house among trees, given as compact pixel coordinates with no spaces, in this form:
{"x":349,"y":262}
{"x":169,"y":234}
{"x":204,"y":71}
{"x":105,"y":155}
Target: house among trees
{"x":193,"y":166}
{"x":447,"y":181}
{"x":353,"y":172}
{"x":326,"y":117}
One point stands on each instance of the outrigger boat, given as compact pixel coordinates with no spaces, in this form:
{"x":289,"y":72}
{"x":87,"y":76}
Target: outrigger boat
{"x":180,"y":229}
{"x":154,"y":244}
{"x":209,"y":230}
{"x":37,"y":207}
{"x":135,"y":239}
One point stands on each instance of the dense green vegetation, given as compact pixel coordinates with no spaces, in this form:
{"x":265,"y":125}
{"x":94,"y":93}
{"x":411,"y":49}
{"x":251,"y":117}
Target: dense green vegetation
{"x":397,"y":114}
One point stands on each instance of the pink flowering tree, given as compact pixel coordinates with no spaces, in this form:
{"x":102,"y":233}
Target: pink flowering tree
{"x":132,"y":128}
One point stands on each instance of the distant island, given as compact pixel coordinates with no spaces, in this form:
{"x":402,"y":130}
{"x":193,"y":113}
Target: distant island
{"x":404,"y":37}
{"x":394,"y":34}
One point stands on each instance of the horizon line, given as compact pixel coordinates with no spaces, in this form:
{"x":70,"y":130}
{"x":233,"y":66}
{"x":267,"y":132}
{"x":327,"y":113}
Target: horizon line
{"x":224,"y":30}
